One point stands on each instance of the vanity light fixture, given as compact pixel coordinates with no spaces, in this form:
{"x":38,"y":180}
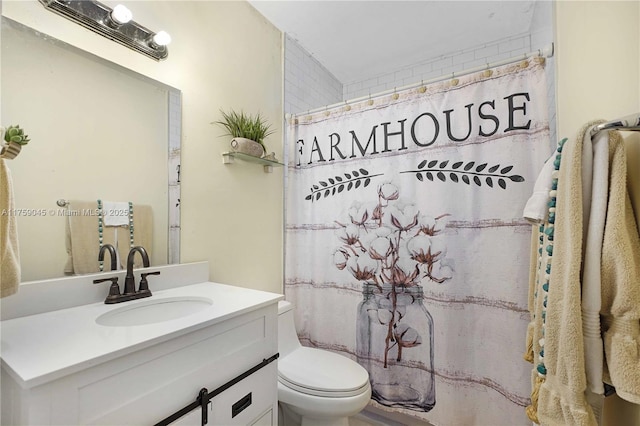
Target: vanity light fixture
{"x":115,"y":24}
{"x":160,"y":39}
{"x":120,"y":15}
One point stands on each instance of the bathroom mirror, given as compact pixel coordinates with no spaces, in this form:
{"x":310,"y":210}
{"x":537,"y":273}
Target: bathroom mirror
{"x":98,"y":131}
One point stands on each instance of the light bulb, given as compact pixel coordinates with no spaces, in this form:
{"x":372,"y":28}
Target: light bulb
{"x":162,"y":38}
{"x":121,"y":15}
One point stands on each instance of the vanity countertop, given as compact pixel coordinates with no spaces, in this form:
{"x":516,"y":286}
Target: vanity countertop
{"x":37,"y":349}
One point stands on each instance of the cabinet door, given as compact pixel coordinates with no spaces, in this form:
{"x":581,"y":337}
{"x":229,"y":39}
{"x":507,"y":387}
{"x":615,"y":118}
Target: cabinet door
{"x":265,"y":420}
{"x":194,"y":418}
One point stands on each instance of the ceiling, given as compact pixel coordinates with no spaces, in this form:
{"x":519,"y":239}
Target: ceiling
{"x":355,"y":40}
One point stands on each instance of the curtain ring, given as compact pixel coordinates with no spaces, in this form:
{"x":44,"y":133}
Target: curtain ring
{"x":454,"y":80}
{"x":487,"y":72}
{"x":347,"y":107}
{"x":370,"y":101}
{"x":395,"y":95}
{"x":422,"y":89}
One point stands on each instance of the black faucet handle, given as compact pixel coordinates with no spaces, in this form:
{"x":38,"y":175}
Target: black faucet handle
{"x":102,"y":280}
{"x":144,"y":285}
{"x":114,"y":289}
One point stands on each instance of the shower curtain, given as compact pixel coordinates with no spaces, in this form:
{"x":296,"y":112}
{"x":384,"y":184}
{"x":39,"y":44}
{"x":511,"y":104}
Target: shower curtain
{"x":405,"y":244}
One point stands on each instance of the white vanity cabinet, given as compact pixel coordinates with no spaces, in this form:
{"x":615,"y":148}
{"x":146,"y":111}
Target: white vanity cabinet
{"x":147,"y":378}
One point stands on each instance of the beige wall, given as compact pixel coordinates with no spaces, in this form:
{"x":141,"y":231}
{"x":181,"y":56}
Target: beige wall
{"x":598,"y":76}
{"x":597,"y":49}
{"x":223,"y":55}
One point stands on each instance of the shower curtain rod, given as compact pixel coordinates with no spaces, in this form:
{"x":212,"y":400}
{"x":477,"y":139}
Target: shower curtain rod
{"x":630,"y":123}
{"x":546,"y":51}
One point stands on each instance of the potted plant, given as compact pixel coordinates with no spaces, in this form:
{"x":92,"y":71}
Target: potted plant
{"x":248,"y":132}
{"x":14,"y":137}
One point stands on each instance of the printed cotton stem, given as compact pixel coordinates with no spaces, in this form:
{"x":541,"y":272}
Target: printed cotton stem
{"x":394,"y":299}
{"x":387,"y":341}
{"x":431,"y":277}
{"x":380,"y":210}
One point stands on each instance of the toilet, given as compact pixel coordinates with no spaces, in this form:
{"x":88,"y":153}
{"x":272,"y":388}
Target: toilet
{"x":316,"y":387}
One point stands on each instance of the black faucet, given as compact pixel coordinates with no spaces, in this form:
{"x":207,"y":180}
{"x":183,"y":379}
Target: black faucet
{"x":129,"y":280}
{"x":129,"y":292}
{"x":112,"y":254}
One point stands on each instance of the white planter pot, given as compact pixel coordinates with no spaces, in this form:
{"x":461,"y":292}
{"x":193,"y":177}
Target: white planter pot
{"x":247,"y":146}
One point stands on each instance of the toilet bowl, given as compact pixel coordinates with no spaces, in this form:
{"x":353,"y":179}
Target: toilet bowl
{"x":316,"y":387}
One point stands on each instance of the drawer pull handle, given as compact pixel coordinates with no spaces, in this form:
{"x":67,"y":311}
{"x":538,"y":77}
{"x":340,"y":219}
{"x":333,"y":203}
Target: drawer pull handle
{"x":239,"y":406}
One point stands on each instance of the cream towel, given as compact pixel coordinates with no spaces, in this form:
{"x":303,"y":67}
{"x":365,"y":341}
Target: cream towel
{"x":596,"y":211}
{"x":562,"y":400}
{"x":632,"y":145}
{"x":535,"y":327}
{"x":9,"y":251}
{"x":621,"y":284}
{"x":82,"y":237}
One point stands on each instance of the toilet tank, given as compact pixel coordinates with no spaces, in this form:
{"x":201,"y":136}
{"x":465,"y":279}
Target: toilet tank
{"x":287,"y":336}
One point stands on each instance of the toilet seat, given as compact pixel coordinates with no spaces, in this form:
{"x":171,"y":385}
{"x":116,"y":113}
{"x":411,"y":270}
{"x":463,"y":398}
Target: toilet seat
{"x":322,"y":373}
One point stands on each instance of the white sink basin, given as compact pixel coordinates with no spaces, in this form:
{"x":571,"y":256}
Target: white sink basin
{"x":153,"y":311}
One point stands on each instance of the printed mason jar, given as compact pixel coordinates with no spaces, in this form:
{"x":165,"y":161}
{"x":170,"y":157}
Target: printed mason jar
{"x":394,"y":343}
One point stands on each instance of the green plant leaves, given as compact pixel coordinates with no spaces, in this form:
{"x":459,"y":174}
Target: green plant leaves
{"x":241,"y":125}
{"x":16,"y":134}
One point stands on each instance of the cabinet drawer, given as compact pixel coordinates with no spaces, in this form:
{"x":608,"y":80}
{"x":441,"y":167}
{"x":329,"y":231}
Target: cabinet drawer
{"x":245,"y":403}
{"x":250,"y":402}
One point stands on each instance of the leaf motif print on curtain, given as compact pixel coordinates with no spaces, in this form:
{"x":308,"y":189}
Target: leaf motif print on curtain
{"x":466,"y":173}
{"x":337,"y":184}
{"x":391,"y":250}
